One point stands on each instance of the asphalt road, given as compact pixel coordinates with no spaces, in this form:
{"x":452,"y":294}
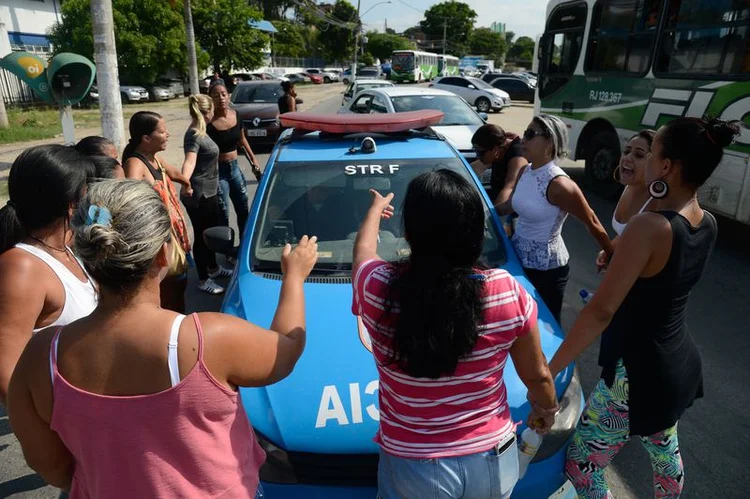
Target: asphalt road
{"x":714,"y":433}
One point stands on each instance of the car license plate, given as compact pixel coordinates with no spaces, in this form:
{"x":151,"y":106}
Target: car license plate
{"x":565,"y":492}
{"x":256,"y":133}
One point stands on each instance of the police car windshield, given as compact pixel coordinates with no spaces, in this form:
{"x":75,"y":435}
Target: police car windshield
{"x":330,"y":200}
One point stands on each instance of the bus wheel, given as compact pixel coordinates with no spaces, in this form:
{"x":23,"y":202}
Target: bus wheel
{"x":602,"y":158}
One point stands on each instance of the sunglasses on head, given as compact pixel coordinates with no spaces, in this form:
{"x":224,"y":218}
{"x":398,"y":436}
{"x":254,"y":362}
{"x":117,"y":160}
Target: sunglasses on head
{"x":530,"y":133}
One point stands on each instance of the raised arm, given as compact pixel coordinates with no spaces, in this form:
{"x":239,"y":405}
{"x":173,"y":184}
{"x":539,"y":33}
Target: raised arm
{"x":515,"y":166}
{"x":644,"y":236}
{"x":566,"y":194}
{"x":248,"y":355}
{"x":366,"y":243}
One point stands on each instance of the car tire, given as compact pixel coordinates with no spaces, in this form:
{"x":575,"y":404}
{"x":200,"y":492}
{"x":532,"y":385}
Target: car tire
{"x":326,"y":80}
{"x":602,"y":157}
{"x":124,"y":98}
{"x":346,"y":81}
{"x":483,"y":105}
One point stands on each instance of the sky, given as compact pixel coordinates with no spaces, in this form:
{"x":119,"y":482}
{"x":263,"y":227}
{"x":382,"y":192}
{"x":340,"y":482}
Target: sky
{"x":523,"y":17}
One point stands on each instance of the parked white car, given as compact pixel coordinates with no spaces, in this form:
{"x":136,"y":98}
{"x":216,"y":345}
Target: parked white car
{"x":482,"y":95}
{"x":458,"y":125}
{"x":359,"y":85}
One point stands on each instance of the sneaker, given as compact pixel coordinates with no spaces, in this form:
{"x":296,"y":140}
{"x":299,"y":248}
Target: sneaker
{"x":220,"y":272}
{"x":210,"y":287}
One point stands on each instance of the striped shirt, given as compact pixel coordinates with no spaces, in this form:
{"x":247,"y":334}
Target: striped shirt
{"x":456,"y":415}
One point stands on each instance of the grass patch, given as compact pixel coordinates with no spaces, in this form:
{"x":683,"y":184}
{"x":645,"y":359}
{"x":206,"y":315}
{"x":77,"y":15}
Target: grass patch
{"x":3,"y":190}
{"x":39,"y":124}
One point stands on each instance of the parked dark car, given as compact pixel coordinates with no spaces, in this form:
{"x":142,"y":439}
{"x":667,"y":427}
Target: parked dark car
{"x":488,"y":77}
{"x":517,"y":88}
{"x":297,"y":78}
{"x":256,"y":103}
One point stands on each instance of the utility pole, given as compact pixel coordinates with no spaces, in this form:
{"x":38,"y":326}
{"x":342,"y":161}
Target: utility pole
{"x":356,"y":35}
{"x":192,"y":59}
{"x":107,"y":74}
{"x":445,"y":33}
{"x":4,"y":50}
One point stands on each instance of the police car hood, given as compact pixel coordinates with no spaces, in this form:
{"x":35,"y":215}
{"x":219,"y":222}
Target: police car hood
{"x":329,"y":402}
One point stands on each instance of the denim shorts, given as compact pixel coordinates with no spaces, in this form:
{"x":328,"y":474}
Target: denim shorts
{"x":489,"y":474}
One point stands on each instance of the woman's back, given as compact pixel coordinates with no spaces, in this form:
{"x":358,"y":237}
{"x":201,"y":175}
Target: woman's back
{"x":458,"y":414}
{"x":186,"y":437}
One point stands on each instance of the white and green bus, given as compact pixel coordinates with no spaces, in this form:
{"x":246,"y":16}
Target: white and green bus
{"x":413,"y":65}
{"x":609,"y":68}
{"x":447,"y":65}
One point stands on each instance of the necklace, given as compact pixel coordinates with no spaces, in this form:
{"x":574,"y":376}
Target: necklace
{"x":47,"y":247}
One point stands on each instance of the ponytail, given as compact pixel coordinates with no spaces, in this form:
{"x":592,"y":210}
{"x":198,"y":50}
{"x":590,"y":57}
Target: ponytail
{"x":141,"y":123}
{"x":43,"y":183}
{"x":200,"y":105}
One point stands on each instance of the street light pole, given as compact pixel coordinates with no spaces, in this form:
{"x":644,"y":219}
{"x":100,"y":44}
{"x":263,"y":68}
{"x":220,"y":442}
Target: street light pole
{"x":356,"y":34}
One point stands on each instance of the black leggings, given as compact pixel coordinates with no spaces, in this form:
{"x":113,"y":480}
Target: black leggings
{"x":551,"y":286}
{"x":204,"y":216}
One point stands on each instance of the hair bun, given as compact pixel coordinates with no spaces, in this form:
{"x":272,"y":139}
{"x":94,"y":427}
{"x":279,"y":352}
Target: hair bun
{"x":722,"y":133}
{"x":98,"y":243}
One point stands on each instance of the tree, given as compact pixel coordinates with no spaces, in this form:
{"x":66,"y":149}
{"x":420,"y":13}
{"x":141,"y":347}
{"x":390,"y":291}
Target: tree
{"x":290,"y":40}
{"x":415,"y":32}
{"x":484,"y":41}
{"x":460,"y":21}
{"x":509,"y":36}
{"x":337,"y":42}
{"x":222,"y":28}
{"x":382,"y":45}
{"x":273,"y":10}
{"x":150,"y":36}
{"x":522,"y":50}
{"x":367,"y":59}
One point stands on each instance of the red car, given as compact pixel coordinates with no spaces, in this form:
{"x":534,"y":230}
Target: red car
{"x":316,"y":79}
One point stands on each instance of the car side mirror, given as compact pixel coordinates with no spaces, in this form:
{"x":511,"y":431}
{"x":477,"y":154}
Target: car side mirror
{"x":472,"y":86}
{"x":220,"y":240}
{"x":299,"y":101}
{"x":484,"y":117}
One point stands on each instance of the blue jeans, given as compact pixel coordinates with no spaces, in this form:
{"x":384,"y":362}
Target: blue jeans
{"x":483,"y":475}
{"x":232,"y":185}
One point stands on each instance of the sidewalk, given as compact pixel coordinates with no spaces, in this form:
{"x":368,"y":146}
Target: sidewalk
{"x":177,"y":117}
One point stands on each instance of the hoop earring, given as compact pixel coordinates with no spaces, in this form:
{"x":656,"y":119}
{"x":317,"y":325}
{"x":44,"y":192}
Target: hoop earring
{"x":615,"y":174}
{"x":658,"y":189}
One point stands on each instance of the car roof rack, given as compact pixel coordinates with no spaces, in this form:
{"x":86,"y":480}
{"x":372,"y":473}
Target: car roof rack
{"x":347,"y":124}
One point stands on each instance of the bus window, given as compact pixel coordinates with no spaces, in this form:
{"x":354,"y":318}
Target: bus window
{"x":706,"y":37}
{"x":622,"y":35}
{"x":560,"y":47}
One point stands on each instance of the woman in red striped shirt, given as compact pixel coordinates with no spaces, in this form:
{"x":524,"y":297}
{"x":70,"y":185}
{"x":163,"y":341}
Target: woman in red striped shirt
{"x":441,"y":330}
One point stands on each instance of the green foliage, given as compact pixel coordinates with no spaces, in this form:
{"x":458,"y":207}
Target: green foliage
{"x":273,"y":10}
{"x":290,"y":40}
{"x":460,"y":21}
{"x":221,"y":27}
{"x":150,"y":36}
{"x":367,"y":59}
{"x":522,"y":50}
{"x":509,"y":36}
{"x":337,"y":43}
{"x":486,"y":42}
{"x":382,"y":45}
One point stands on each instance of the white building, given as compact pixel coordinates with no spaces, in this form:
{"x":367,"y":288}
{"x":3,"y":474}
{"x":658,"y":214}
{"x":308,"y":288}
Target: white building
{"x":24,"y":24}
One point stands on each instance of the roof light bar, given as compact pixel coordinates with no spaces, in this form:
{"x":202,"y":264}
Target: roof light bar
{"x":361,"y":123}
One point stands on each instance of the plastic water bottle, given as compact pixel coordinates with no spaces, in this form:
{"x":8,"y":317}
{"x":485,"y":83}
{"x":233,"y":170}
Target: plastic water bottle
{"x":586,"y":296}
{"x":527,"y":449}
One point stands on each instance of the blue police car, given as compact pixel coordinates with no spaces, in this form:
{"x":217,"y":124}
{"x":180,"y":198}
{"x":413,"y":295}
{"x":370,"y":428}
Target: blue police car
{"x":317,"y":425}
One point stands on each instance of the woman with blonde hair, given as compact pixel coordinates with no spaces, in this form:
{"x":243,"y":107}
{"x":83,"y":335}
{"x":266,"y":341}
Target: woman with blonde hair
{"x":201,"y":166}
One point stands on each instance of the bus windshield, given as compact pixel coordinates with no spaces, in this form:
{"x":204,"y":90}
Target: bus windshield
{"x":403,"y":62}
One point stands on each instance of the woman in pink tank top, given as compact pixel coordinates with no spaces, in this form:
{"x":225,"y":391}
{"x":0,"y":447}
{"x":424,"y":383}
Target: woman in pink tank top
{"x":134,"y":401}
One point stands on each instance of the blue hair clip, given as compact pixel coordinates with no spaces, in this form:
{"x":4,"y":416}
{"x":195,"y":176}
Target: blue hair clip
{"x":99,"y":215}
{"x":477,"y":277}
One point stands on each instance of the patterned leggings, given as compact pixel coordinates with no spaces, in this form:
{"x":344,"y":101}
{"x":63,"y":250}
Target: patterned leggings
{"x":604,"y":429}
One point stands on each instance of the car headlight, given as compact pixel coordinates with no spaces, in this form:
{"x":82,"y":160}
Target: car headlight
{"x":277,"y":468}
{"x":565,"y":421}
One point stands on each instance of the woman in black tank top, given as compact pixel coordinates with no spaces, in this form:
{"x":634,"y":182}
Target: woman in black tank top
{"x":651,"y":366}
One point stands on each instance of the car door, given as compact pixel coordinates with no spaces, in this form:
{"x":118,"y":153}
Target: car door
{"x":348,"y":94}
{"x":458,"y":86}
{"x":378,"y":105}
{"x":361,"y":104}
{"x":469,"y":91}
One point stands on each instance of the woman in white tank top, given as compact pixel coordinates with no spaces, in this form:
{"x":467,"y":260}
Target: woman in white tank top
{"x":630,"y":173}
{"x":41,"y":282}
{"x":543,"y":197}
